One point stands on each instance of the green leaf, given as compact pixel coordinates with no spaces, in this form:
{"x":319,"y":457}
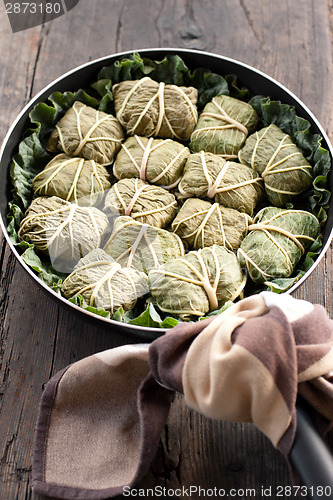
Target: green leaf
{"x":169,"y":322}
{"x":31,"y":158}
{"x":208,"y":84}
{"x":15,"y":216}
{"x":281,"y":285}
{"x":236,"y":91}
{"x":98,"y":310}
{"x":282,"y":115}
{"x":132,"y":67}
{"x":78,"y":300}
{"x":44,"y":271}
{"x":171,"y":70}
{"x":118,"y":315}
{"x":150,"y":318}
{"x":63,"y":101}
{"x":228,"y":304}
{"x":56,"y":287}
{"x":104,"y":88}
{"x":44,"y":117}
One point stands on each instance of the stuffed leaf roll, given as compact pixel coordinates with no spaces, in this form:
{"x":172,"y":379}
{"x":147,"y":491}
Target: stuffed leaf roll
{"x":72,"y":179}
{"x":157,"y":161}
{"x":201,"y":224}
{"x":104,"y":283}
{"x":145,"y":203}
{"x":86,"y":132}
{"x":274,"y":155}
{"x":63,"y":230}
{"x":145,"y":107}
{"x":201,"y":281}
{"x":231,"y":184}
{"x":223,"y":126}
{"x":141,"y":246}
{"x":276,"y":242}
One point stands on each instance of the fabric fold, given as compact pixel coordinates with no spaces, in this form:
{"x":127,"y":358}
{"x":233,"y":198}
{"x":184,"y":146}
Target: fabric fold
{"x":243,"y":382}
{"x":93,"y":425}
{"x":100,"y":419}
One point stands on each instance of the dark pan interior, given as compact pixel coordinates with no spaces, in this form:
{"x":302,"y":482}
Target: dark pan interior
{"x":257,"y":82}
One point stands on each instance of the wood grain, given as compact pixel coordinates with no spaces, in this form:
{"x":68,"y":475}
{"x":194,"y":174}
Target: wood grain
{"x":291,"y":41}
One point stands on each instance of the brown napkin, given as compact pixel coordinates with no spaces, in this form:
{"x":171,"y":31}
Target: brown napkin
{"x":101,"y":418}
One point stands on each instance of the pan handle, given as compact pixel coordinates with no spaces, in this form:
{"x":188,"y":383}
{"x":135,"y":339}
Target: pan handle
{"x":311,"y":456}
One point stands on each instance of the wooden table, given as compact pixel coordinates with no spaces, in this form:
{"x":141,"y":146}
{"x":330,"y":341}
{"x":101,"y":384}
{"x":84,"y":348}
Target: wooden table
{"x":291,"y":41}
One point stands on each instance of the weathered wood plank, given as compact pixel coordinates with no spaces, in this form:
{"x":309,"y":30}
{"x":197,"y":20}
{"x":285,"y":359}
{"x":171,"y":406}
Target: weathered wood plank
{"x":291,"y":41}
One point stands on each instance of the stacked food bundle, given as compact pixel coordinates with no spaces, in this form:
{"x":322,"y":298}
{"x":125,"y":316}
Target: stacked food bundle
{"x":165,"y":203}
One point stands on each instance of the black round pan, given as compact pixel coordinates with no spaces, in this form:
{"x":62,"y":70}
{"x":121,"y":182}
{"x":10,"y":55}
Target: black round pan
{"x":81,"y":77}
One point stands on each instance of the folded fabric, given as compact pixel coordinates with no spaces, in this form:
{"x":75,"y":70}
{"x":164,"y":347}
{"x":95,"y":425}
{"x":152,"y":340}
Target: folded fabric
{"x":100,"y":419}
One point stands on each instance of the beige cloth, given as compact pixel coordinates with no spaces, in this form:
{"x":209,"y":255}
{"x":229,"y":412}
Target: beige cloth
{"x":100,"y":419}
{"x":228,"y":380}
